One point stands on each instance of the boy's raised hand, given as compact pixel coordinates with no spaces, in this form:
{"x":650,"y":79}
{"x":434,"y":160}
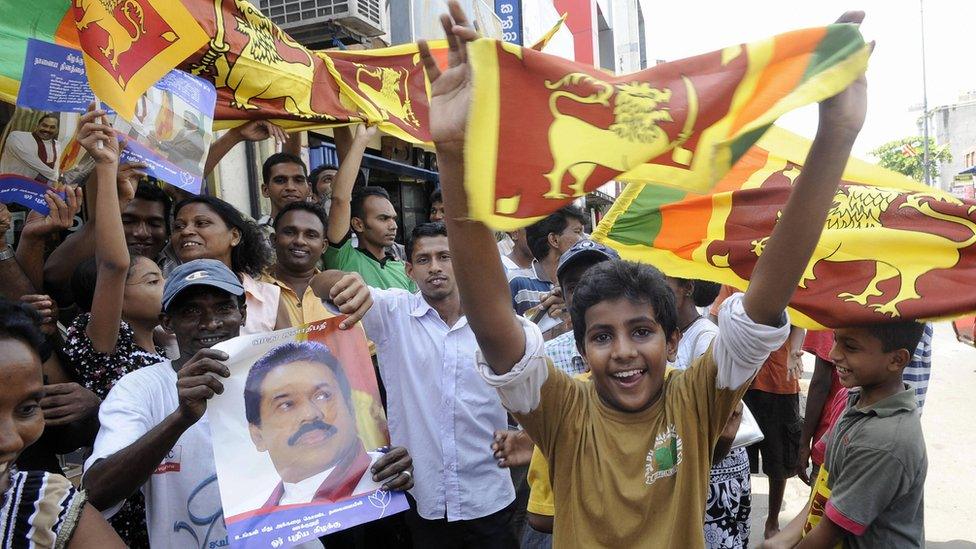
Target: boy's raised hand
{"x":450,"y":91}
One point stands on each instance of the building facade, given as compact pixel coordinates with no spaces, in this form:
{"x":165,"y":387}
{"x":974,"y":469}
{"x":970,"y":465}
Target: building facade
{"x":953,"y":125}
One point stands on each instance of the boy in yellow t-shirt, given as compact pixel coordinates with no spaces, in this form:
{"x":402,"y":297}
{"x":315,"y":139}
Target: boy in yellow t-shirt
{"x":630,"y":451}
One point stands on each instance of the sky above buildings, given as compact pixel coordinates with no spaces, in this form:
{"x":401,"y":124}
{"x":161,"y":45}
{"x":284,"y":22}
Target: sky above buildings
{"x":680,"y":29}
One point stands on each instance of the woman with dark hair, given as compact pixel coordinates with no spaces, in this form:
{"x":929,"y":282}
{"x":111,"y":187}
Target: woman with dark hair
{"x":40,"y":509}
{"x":120,"y":296}
{"x":206,"y":227}
{"x":729,"y":491}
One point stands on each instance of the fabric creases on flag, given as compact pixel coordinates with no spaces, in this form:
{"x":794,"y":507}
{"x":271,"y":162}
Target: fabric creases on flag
{"x":683,"y":123}
{"x":892,"y":248}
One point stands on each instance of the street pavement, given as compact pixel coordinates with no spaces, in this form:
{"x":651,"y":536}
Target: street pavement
{"x":949,"y":423}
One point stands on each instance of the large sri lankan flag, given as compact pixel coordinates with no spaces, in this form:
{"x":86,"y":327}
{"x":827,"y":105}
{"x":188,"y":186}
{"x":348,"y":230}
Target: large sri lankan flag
{"x":544,"y":131}
{"x":891,"y":249}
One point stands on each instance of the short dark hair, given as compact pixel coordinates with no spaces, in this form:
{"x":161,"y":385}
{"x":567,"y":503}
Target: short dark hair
{"x":304,"y":351}
{"x":53,"y":115}
{"x":83,"y":279}
{"x":253,"y":253}
{"x":359,"y":196}
{"x":424,"y":230}
{"x":150,"y":192}
{"x":897,"y":335}
{"x":634,"y":282}
{"x":21,"y":322}
{"x":537,"y":234}
{"x":280,"y":158}
{"x":309,"y":207}
{"x":436,"y":196}
{"x":704,"y":292}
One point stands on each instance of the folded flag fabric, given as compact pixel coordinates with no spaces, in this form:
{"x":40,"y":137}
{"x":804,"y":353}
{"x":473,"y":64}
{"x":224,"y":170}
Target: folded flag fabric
{"x":258,"y":70}
{"x":544,"y":131}
{"x":892,"y":249}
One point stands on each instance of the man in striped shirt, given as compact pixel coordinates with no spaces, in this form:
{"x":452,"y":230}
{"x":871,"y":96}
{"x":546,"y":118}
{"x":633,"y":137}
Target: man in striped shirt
{"x":919,"y":369}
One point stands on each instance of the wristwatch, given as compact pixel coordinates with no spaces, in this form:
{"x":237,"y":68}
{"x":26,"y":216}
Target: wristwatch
{"x":6,"y":253}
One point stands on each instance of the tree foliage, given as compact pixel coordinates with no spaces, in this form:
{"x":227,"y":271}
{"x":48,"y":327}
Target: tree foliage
{"x":907,"y":155}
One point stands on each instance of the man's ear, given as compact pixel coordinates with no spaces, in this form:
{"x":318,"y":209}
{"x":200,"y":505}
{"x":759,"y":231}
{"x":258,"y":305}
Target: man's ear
{"x":408,"y":267}
{"x":243,"y":309}
{"x":264,"y":190}
{"x":553,"y":240}
{"x":357,"y":224}
{"x":899,"y":359}
{"x":256,"y":438}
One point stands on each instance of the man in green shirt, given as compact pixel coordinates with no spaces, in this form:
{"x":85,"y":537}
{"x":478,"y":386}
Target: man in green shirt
{"x":372,"y":218}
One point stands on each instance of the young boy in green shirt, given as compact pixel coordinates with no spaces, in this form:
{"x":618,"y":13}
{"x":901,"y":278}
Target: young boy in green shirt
{"x":869,"y":492}
{"x":630,"y":452}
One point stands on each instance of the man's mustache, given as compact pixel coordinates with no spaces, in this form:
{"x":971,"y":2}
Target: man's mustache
{"x":309,"y":427}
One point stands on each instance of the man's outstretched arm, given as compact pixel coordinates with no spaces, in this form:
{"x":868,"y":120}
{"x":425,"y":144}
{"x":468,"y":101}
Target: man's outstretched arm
{"x":477,"y":265}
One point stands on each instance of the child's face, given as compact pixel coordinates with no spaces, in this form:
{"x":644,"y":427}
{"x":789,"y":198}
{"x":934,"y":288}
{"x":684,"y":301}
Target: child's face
{"x":627,"y":351}
{"x":861,"y":361}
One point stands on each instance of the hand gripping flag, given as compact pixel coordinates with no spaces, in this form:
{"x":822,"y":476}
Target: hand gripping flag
{"x":892,"y":249}
{"x":543,"y":130}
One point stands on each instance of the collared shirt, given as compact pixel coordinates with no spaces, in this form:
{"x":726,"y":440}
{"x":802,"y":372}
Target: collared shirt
{"x":439,"y":407}
{"x":528,"y":290}
{"x":918,"y":371}
{"x":564,"y":354}
{"x":880,"y":441}
{"x":383,"y":273}
{"x":261,"y":299}
{"x":300,"y":311}
{"x":20,"y":156}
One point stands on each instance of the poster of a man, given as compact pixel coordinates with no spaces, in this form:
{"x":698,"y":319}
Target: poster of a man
{"x":299,"y":410}
{"x":33,"y":154}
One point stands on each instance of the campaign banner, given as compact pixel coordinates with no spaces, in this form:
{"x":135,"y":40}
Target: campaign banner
{"x":170,"y":131}
{"x":295,"y":432}
{"x":16,"y":189}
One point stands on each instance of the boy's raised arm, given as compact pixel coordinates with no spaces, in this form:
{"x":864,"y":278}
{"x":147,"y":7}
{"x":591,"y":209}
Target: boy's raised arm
{"x":796,"y":233}
{"x":481,"y":281}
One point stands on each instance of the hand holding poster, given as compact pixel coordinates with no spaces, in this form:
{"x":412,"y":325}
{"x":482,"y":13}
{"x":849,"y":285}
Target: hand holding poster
{"x":295,"y":432}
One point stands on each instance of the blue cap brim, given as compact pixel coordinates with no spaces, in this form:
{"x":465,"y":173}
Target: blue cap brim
{"x":232,"y":289}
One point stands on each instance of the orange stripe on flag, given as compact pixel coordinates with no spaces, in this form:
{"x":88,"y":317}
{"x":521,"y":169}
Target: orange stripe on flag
{"x":780,"y":74}
{"x":67,"y":33}
{"x":687,"y":220}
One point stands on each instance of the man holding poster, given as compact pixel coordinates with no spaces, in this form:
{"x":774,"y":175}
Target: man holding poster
{"x":300,"y":411}
{"x":34,"y":154}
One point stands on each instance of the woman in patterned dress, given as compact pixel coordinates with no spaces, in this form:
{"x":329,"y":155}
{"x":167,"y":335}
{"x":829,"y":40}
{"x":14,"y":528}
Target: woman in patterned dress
{"x":37,"y":509}
{"x":729,"y":493}
{"x":121,"y":296}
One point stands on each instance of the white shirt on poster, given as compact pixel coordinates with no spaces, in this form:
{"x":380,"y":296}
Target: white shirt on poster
{"x":20,"y":156}
{"x":183,"y":506}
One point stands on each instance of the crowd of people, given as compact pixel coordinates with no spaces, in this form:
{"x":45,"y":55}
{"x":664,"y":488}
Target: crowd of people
{"x":552,"y":395}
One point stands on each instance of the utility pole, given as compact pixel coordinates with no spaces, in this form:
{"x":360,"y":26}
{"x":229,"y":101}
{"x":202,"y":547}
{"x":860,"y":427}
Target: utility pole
{"x":925,"y":100}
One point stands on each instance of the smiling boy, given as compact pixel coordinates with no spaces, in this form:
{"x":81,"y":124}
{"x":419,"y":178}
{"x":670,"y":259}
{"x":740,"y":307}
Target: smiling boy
{"x":629,"y":453}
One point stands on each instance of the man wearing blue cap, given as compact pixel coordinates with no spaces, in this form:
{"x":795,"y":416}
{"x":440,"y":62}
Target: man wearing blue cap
{"x":154,"y":433}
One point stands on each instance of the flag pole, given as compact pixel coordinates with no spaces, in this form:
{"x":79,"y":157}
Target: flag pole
{"x":925,"y":100}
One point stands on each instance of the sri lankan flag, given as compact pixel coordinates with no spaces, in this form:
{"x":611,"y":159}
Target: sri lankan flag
{"x":544,"y":131}
{"x":891,"y":248}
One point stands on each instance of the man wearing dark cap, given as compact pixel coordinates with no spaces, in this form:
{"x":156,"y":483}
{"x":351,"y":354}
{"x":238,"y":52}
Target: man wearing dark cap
{"x":154,"y":433}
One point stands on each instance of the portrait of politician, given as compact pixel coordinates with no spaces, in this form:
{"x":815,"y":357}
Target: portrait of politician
{"x":299,"y":410}
{"x":34,"y":154}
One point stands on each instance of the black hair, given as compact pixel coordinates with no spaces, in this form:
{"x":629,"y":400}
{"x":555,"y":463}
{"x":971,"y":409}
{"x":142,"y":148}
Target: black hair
{"x":537,"y":234}
{"x":313,"y":176}
{"x":21,"y":322}
{"x":897,"y":335}
{"x":151,"y":192}
{"x":634,"y":282}
{"x":704,"y":292}
{"x":83,"y":279}
{"x":53,"y":115}
{"x":436,"y":196}
{"x":253,"y":253}
{"x":309,"y":207}
{"x":424,"y":230}
{"x":288,"y":353}
{"x":359,"y":197}
{"x":280,"y":158}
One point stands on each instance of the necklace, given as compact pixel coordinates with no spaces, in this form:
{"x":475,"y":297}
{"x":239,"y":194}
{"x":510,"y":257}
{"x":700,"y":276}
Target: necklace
{"x":688,"y":325}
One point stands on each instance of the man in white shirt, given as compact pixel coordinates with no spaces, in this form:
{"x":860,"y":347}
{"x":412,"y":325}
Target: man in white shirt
{"x":438,"y":406}
{"x":154,"y":432}
{"x":33,"y":155}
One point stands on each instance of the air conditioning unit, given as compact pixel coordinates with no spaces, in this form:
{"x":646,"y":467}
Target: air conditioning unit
{"x":304,"y":20}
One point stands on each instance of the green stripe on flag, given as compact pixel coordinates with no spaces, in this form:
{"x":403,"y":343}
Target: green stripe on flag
{"x":643,"y":229}
{"x":840,"y":42}
{"x":22,"y":20}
